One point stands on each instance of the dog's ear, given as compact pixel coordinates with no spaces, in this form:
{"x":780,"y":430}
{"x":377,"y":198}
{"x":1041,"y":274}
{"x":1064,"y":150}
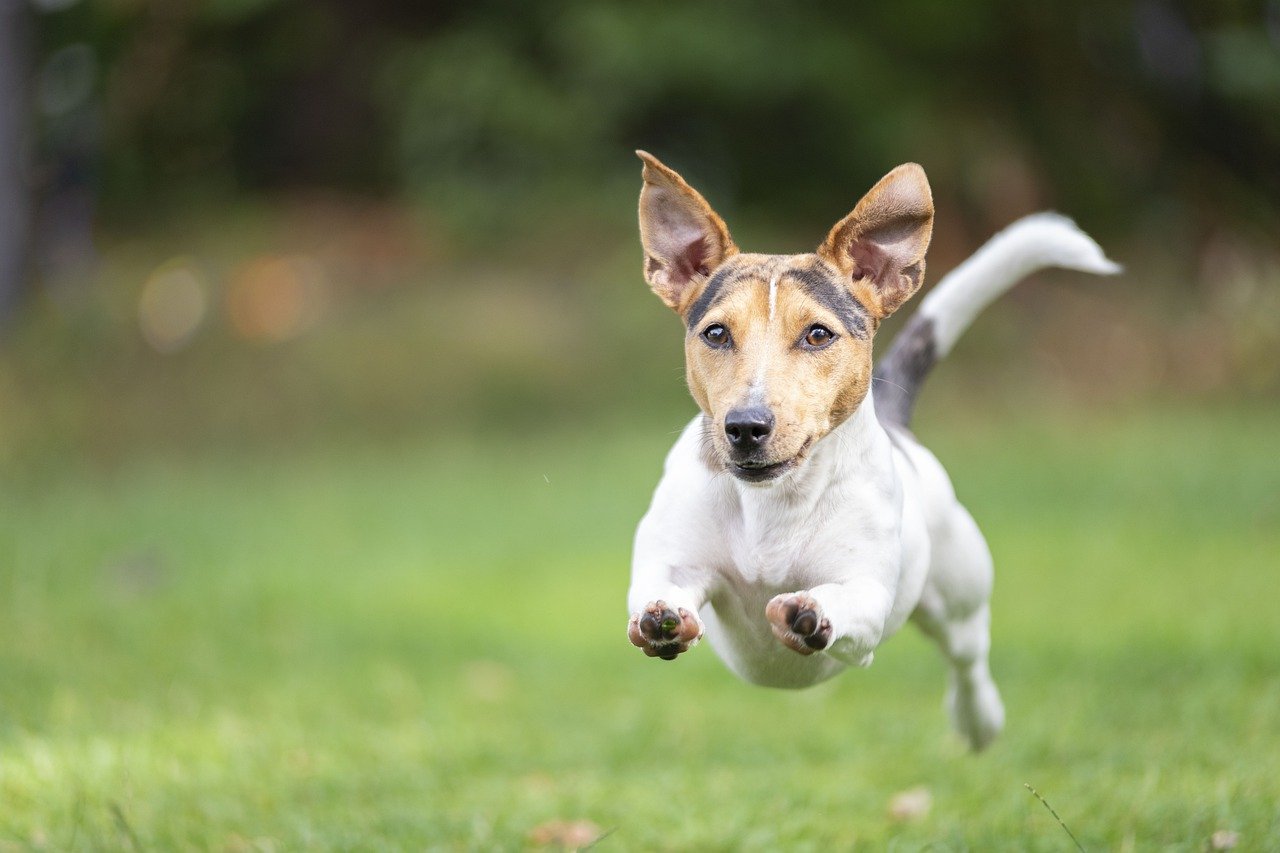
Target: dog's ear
{"x":684,"y":240}
{"x":882,"y":243}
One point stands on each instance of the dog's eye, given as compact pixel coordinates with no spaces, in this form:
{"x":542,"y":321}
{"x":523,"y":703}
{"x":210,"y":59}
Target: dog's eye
{"x":819,"y":336}
{"x":716,"y":335}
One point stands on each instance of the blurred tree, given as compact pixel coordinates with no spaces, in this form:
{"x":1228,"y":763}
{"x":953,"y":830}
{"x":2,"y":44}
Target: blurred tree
{"x":15,"y":121}
{"x":1127,"y":114}
{"x":1148,"y":114}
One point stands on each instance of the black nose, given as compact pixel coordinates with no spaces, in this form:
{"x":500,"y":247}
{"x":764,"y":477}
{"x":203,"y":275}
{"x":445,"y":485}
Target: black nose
{"x":748,"y":429}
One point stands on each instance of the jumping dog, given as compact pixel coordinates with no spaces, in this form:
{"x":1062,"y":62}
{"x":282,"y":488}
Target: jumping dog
{"x":799,"y":523}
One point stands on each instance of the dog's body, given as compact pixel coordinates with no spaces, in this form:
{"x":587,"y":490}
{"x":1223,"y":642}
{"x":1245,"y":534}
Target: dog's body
{"x":796,"y":522}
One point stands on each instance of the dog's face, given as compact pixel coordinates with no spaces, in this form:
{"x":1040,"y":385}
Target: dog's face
{"x":778,"y":353}
{"x":778,"y":347}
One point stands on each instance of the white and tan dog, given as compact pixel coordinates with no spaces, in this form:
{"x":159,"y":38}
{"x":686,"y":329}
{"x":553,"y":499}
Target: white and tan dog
{"x":797,"y":518}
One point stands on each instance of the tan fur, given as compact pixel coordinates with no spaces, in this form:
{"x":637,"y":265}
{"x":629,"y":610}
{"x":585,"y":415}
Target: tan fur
{"x":673,"y":218}
{"x":893,"y":224}
{"x":810,"y":393}
{"x":876,"y":254}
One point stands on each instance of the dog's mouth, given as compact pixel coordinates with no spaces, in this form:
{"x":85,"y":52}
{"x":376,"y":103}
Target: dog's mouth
{"x":752,"y":471}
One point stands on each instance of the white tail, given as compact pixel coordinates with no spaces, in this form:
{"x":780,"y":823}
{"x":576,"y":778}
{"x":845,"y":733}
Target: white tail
{"x":1032,"y":243}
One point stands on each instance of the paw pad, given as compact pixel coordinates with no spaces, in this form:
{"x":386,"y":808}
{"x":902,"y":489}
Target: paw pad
{"x":798,"y":622}
{"x":662,"y":632}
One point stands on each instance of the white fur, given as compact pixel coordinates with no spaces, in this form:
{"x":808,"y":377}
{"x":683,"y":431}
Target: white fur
{"x":1032,"y":243}
{"x":755,"y":394}
{"x":856,"y":527}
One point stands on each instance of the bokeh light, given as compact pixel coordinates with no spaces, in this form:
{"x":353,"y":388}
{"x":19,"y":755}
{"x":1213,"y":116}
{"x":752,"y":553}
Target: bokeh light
{"x":276,"y":297}
{"x":172,"y":305}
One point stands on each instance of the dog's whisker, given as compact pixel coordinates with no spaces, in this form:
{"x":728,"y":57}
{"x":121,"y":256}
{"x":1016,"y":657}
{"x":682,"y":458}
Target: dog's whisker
{"x":883,"y":381}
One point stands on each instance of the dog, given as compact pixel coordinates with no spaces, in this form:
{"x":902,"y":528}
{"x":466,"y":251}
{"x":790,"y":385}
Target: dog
{"x":798,"y":522}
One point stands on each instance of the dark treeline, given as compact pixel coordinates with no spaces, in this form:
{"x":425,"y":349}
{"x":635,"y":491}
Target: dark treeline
{"x":1149,"y":117}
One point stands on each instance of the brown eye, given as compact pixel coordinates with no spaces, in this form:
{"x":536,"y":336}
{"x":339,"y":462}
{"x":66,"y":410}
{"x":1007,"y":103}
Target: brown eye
{"x":716,"y":335}
{"x":819,"y":336}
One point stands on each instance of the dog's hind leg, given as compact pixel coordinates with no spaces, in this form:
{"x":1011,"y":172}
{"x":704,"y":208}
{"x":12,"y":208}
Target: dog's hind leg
{"x":955,"y":612}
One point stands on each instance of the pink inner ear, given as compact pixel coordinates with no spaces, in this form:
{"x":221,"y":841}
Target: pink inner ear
{"x":869,"y":261}
{"x":691,"y":260}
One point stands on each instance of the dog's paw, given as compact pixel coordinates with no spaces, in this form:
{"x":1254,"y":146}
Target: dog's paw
{"x":797,"y":620}
{"x":661,"y":632}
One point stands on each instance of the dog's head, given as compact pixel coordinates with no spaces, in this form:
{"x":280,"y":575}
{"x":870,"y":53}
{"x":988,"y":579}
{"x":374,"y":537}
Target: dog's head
{"x":778,"y":347}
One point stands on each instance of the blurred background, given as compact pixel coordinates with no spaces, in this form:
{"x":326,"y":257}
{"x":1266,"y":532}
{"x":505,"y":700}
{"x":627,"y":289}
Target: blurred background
{"x":331,"y":393}
{"x":247,"y":221}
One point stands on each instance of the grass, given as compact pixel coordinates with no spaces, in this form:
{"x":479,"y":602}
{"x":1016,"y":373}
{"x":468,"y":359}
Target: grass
{"x":421,"y":645}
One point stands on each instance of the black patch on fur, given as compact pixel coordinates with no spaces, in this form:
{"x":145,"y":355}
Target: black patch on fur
{"x":900,"y":374}
{"x":710,"y":294}
{"x":832,"y":295}
{"x":823,"y":288}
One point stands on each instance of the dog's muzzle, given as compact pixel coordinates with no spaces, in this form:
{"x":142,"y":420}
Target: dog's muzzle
{"x":748,"y":431}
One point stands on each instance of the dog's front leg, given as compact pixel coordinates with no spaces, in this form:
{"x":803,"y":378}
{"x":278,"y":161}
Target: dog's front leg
{"x":845,"y":620}
{"x":664,"y":614}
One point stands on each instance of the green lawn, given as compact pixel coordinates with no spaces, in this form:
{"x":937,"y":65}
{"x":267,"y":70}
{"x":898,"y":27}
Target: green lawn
{"x":423,"y":646}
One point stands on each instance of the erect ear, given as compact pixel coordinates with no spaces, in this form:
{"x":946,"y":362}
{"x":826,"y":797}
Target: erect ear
{"x":684,"y":240}
{"x":882,"y":243}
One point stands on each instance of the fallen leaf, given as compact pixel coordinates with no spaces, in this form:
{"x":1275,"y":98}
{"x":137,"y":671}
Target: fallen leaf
{"x":911,"y":804}
{"x":1224,"y":839}
{"x":564,"y":833}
